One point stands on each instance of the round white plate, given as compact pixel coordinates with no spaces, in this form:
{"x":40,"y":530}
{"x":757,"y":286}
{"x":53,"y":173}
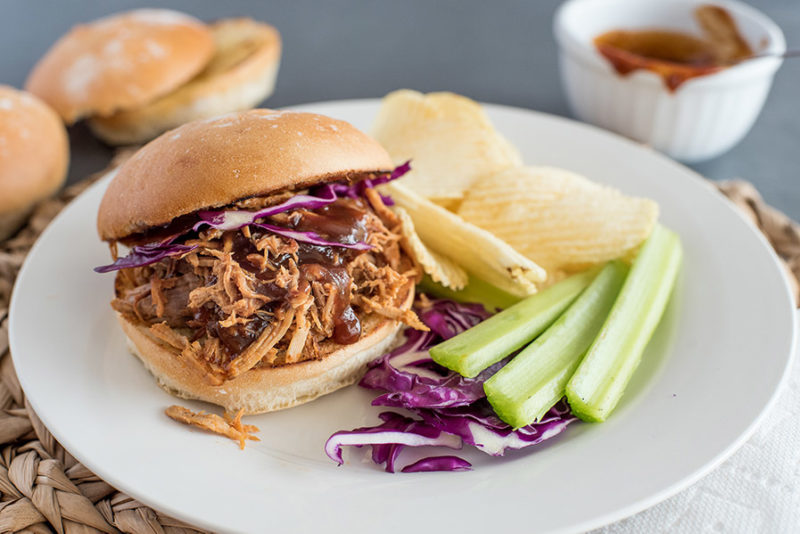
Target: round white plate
{"x":712,"y":369}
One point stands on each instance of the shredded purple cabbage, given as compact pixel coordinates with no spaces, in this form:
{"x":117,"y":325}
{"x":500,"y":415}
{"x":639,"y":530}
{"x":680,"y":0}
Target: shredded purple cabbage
{"x":226,"y":220}
{"x":416,"y":385}
{"x":438,"y":463}
{"x":480,"y":427}
{"x":142,"y":255}
{"x":448,"y":318}
{"x":388,"y":452}
{"x":310,"y":237}
{"x":235,"y":219}
{"x":356,"y":190}
{"x":320,"y":196}
{"x":440,"y":398}
{"x":395,"y":432}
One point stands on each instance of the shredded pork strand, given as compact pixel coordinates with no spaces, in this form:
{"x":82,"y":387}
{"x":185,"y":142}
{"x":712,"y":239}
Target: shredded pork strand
{"x":169,"y":336}
{"x":230,"y":426}
{"x":249,"y":298}
{"x":263,"y":345}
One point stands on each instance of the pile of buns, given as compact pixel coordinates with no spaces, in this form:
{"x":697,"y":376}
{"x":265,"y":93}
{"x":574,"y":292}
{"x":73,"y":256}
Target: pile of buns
{"x":138,"y":74}
{"x":132,"y":76}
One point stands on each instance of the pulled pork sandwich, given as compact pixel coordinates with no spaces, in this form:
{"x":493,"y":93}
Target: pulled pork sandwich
{"x":261,"y":269}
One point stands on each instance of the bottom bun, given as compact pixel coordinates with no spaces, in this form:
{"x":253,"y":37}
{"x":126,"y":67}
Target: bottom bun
{"x":264,"y":389}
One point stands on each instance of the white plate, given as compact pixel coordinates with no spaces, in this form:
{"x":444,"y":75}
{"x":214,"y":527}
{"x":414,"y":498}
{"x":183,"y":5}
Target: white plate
{"x":711,"y":371}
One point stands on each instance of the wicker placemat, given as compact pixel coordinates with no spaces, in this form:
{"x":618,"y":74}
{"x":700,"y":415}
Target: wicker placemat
{"x":44,"y":489}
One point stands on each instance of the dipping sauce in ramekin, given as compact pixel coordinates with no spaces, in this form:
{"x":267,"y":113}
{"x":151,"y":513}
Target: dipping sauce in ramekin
{"x":692,"y":109}
{"x":677,"y":56}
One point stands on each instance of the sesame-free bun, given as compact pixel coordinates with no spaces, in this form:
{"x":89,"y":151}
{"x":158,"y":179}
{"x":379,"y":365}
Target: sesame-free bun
{"x":264,"y":389}
{"x":120,"y":62}
{"x":215,"y":162}
{"x":240,"y":75}
{"x":34,"y":153}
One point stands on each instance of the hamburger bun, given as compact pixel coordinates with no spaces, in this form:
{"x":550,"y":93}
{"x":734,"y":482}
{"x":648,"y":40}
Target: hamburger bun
{"x":34,"y":154}
{"x":240,"y":75}
{"x":215,"y":162}
{"x":120,"y":62}
{"x":266,"y":389}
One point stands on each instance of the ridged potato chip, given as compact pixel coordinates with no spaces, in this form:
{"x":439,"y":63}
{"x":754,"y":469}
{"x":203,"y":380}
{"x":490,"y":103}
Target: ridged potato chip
{"x":448,"y":138}
{"x":440,"y":268}
{"x":479,"y":252}
{"x":557,"y":218}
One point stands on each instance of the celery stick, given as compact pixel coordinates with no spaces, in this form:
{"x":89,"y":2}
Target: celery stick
{"x":531,"y":383}
{"x":600,"y":380}
{"x":474,"y":350}
{"x":476,"y":290}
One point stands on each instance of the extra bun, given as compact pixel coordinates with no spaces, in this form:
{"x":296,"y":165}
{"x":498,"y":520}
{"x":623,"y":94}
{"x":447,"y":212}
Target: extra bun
{"x":240,"y":75}
{"x":34,"y":153}
{"x":120,"y":62}
{"x":265,"y":389}
{"x":212,"y":163}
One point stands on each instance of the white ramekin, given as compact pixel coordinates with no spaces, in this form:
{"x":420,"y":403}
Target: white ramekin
{"x":704,"y":117}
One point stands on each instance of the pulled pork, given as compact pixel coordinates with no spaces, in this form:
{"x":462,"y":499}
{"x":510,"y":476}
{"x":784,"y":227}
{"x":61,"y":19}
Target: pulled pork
{"x":248,"y":298}
{"x":228,"y":425}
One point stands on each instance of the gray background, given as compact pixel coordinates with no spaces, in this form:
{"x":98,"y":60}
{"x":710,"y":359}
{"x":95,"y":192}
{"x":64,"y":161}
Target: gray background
{"x":501,"y":52}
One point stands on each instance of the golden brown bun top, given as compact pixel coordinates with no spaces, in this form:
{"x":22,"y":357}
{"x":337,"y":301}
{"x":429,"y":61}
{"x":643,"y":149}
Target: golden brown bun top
{"x":215,"y":162}
{"x":34,"y":150}
{"x":120,"y":62}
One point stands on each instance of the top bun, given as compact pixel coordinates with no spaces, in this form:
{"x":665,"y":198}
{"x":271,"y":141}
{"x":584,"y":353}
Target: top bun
{"x":215,"y":162}
{"x":34,"y":153}
{"x":120,"y":62}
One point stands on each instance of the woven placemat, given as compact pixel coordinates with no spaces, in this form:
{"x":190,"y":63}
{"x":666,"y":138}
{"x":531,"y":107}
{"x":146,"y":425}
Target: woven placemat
{"x":44,"y":489}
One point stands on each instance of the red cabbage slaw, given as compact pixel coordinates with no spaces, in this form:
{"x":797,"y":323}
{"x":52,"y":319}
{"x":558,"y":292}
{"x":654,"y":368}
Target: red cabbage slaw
{"x":225,"y":220}
{"x":388,"y":438}
{"x":356,"y":190}
{"x":446,"y":404}
{"x":142,"y":255}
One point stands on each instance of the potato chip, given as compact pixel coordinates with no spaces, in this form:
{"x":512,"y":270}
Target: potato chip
{"x":448,"y":138}
{"x":440,"y":268}
{"x":451,"y":204}
{"x":557,"y":218}
{"x":477,"y":251}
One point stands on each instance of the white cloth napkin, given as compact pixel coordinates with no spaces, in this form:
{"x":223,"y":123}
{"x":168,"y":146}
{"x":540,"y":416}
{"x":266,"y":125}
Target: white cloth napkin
{"x":757,"y":490}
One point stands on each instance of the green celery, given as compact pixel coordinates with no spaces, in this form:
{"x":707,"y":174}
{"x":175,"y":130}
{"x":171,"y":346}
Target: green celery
{"x":600,"y":380}
{"x":474,"y":350}
{"x":525,"y":389}
{"x":476,"y":290}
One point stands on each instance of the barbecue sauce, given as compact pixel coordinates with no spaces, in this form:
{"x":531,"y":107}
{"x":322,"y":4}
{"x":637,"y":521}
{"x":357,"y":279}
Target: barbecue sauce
{"x":343,"y":223}
{"x":234,"y":338}
{"x":677,"y":56}
{"x":340,"y":222}
{"x":346,"y":326}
